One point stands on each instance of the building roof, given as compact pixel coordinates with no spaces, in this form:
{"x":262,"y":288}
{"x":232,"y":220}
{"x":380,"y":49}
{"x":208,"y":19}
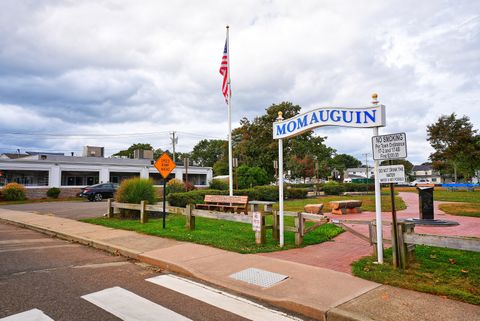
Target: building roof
{"x":61,"y":159}
{"x":13,"y":155}
{"x":422,"y":168}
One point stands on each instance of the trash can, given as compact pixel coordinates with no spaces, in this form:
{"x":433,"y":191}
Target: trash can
{"x":425,"y":202}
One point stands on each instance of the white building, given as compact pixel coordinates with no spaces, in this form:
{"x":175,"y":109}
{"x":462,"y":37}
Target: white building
{"x":358,"y":172}
{"x":70,"y":173}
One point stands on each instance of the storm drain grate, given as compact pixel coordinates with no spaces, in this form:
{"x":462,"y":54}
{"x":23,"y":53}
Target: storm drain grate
{"x":259,"y":277}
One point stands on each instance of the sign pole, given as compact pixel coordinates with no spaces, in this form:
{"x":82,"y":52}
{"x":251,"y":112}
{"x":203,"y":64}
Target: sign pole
{"x":395,"y":247}
{"x":378,"y":199}
{"x":164,"y":201}
{"x":280,"y":182}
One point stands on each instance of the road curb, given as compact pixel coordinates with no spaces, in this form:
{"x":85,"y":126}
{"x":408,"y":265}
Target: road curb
{"x":333,"y":314}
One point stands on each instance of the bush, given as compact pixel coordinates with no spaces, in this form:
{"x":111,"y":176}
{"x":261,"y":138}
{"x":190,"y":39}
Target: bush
{"x":53,"y":192}
{"x":189,"y":186}
{"x":297,"y":193}
{"x":251,"y":176}
{"x":13,"y":192}
{"x":192,"y":197}
{"x":333,"y":189}
{"x":175,"y":186}
{"x":258,"y":193}
{"x":219,"y":184}
{"x":135,"y":190}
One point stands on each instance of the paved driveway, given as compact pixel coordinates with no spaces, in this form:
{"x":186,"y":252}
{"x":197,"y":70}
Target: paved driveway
{"x":74,"y":210}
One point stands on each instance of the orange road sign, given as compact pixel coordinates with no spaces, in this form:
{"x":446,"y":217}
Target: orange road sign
{"x":164,"y":165}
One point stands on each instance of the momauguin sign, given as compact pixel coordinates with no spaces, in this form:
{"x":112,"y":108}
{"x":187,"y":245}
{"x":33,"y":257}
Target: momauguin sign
{"x":364,"y":117}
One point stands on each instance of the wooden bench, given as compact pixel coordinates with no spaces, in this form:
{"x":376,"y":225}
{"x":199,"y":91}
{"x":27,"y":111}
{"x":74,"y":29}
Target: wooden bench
{"x":313,"y":208}
{"x":345,"y":207}
{"x":224,"y":203}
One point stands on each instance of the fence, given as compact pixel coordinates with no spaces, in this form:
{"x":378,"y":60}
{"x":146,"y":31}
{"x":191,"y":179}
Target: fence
{"x":300,"y":228}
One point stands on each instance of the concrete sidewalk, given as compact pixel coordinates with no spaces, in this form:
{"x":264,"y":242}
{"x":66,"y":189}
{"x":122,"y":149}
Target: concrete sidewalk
{"x":316,"y":292}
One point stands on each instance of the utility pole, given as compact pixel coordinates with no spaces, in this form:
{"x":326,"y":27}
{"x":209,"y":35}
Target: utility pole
{"x":366,"y":164}
{"x":174,"y":142}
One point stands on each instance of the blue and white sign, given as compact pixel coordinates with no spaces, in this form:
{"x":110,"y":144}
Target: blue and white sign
{"x":364,"y":117}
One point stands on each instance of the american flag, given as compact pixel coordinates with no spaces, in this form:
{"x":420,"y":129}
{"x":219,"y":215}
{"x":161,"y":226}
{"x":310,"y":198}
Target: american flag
{"x":224,"y":72}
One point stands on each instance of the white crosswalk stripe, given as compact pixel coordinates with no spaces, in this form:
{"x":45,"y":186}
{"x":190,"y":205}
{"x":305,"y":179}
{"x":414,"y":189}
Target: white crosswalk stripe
{"x":129,"y":306}
{"x":30,"y":315}
{"x":223,"y":300}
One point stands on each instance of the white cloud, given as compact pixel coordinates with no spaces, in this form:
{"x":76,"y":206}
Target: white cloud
{"x":127,"y":67}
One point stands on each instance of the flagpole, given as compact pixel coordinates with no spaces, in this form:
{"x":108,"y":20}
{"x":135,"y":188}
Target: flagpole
{"x":230,"y":165}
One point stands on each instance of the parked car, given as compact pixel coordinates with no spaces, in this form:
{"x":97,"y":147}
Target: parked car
{"x":96,"y":193}
{"x":419,"y":181}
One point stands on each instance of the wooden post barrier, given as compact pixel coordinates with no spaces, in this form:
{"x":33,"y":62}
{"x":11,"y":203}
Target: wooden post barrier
{"x":110,"y":208}
{"x":143,"y":213}
{"x":299,"y":224}
{"x":406,"y":251}
{"x":275,"y":223}
{"x":190,"y":223}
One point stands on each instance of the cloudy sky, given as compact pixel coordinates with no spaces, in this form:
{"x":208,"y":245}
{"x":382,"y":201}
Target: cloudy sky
{"x":114,"y":73}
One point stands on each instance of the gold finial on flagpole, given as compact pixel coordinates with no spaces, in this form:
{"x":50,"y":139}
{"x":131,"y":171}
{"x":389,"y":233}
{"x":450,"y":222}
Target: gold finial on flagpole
{"x":374,"y":98}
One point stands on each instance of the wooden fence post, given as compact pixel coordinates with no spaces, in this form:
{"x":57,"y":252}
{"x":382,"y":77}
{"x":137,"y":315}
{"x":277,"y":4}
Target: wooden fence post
{"x":275,"y":231}
{"x":190,"y":223}
{"x":110,"y":208}
{"x":407,"y":252}
{"x":373,"y":236}
{"x":143,"y":213}
{"x":395,"y":254}
{"x":299,"y":222}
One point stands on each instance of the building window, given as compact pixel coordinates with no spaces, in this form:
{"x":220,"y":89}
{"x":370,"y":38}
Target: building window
{"x":26,"y":178}
{"x":79,"y":178}
{"x":158,"y":179}
{"x":118,"y":177}
{"x":196,"y":179}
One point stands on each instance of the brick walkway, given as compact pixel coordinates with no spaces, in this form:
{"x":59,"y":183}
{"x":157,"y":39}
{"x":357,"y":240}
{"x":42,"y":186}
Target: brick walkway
{"x":346,"y":248}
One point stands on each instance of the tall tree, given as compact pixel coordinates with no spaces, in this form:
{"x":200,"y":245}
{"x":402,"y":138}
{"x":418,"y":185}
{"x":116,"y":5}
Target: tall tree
{"x":129,"y":151}
{"x":456,"y":144}
{"x":208,"y":151}
{"x":254,"y":145}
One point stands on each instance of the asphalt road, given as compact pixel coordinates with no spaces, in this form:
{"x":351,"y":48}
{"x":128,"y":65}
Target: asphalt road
{"x":52,"y":275}
{"x":73,"y":209}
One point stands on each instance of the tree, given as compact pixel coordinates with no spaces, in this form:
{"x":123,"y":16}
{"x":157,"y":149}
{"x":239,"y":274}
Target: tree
{"x":208,"y":152}
{"x":254,"y":145}
{"x":456,"y":144}
{"x":344,"y":161}
{"x":251,"y":176}
{"x":129,"y":151}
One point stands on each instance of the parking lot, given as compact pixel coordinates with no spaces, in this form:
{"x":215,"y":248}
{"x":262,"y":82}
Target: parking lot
{"x":73,"y":209}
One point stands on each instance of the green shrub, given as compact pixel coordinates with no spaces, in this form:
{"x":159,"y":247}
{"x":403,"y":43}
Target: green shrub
{"x":135,"y":190}
{"x":192,"y":197}
{"x":13,"y":192}
{"x":266,"y":193}
{"x":53,"y":192}
{"x":297,"y":193}
{"x":219,"y":184}
{"x":333,"y":189}
{"x":175,"y":186}
{"x":251,"y":176}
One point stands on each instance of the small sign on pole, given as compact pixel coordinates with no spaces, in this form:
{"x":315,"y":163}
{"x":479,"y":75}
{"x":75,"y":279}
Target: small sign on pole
{"x":164,"y":166}
{"x":256,"y":221}
{"x":391,"y":146}
{"x":391,"y":174}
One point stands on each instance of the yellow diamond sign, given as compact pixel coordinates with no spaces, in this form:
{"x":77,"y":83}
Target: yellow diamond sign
{"x":164,"y":165}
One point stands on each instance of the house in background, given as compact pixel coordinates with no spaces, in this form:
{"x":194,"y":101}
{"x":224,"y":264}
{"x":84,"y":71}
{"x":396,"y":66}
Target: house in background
{"x":41,"y":171}
{"x":358,"y":173}
{"x":426,"y":172}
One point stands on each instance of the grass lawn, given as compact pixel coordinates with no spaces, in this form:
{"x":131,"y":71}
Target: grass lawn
{"x":42,"y":200}
{"x":441,"y":194}
{"x":231,"y":236}
{"x":451,"y":273}
{"x":462,"y":209}
{"x":367,"y":205}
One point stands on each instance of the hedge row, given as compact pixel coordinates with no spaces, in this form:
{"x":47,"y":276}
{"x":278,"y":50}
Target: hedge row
{"x":259,"y":193}
{"x":336,"y":188}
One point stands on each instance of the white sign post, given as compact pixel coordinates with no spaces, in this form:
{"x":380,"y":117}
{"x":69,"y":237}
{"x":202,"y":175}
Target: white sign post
{"x":389,"y":147}
{"x":391,"y":174}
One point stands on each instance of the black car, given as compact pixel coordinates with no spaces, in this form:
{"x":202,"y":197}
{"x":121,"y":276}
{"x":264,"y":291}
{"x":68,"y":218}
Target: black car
{"x":99,"y":191}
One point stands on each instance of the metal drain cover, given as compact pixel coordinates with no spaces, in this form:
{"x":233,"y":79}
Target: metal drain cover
{"x":259,"y":277}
